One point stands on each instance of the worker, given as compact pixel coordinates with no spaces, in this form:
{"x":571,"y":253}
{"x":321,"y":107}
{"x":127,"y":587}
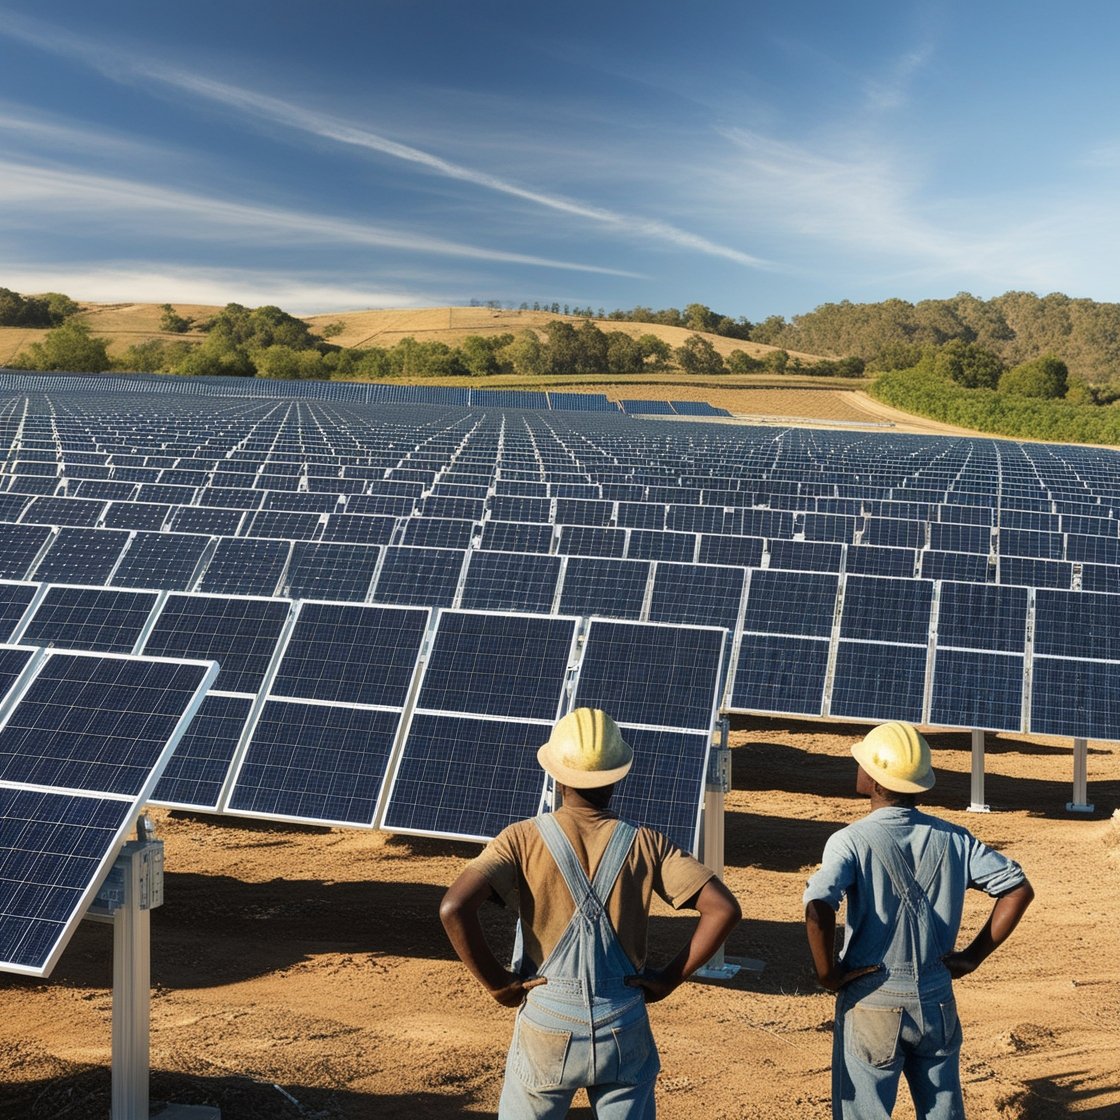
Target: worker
{"x":582,"y":880}
{"x":904,"y":875}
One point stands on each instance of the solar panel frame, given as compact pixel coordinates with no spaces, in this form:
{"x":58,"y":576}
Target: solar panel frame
{"x":100,"y":619}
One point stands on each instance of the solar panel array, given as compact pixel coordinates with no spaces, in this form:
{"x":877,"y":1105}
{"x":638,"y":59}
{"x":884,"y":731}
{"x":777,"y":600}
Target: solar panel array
{"x":356,"y":565}
{"x":82,"y":740}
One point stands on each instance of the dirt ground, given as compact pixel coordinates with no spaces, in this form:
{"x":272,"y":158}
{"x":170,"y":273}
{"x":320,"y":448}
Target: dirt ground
{"x":303,"y":973}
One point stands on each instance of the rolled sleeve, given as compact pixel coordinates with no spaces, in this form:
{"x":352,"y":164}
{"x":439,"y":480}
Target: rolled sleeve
{"x":991,"y":871}
{"x":835,"y":876}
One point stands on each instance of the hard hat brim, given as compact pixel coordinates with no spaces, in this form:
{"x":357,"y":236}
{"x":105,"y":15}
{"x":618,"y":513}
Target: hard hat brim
{"x":863,"y":755}
{"x":581,"y":779}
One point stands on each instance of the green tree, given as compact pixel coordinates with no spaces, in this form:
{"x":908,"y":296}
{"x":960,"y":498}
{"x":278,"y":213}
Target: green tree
{"x":969,"y":364}
{"x":282,"y":362}
{"x":656,"y":351}
{"x":1044,"y":377}
{"x":593,"y":348}
{"x":776,"y":361}
{"x":697,"y":355}
{"x":69,"y":347}
{"x":172,"y":322}
{"x":624,"y":353}
{"x":525,"y":354}
{"x":59,"y":307}
{"x":152,"y":356}
{"x":739,"y":361}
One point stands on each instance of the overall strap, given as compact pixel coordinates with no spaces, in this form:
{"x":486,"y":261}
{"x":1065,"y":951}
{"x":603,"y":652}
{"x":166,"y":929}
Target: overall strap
{"x":561,"y":849}
{"x":914,"y":899}
{"x":618,"y":848}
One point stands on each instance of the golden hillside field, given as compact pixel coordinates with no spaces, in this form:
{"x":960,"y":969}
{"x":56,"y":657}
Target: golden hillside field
{"x":124,"y":324}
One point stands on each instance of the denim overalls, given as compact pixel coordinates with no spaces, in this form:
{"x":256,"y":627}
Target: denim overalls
{"x":585,"y":1028}
{"x":901,"y":1019}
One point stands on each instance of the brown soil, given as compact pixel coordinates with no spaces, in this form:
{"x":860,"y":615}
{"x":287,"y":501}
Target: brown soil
{"x":302,"y":972}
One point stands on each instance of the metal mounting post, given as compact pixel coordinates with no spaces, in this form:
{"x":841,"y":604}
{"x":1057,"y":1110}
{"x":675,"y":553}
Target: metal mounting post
{"x":978,"y":804}
{"x":1080,"y":802}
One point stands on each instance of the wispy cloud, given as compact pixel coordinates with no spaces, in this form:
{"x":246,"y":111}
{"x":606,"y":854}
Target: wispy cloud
{"x":55,"y":191}
{"x":260,"y":106}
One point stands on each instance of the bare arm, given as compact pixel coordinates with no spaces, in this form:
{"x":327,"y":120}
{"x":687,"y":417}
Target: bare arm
{"x":719,"y":914}
{"x":459,"y":913}
{"x":1003,"y":919}
{"x":820,"y":928}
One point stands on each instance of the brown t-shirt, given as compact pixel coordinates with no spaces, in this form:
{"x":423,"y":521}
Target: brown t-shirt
{"x":520,"y":868}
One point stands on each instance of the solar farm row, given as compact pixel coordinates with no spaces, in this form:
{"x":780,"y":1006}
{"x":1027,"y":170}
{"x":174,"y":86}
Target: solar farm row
{"x":355,"y":392}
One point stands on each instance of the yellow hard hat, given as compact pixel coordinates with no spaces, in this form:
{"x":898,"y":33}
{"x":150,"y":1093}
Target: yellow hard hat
{"x":897,"y":757}
{"x":586,"y":750}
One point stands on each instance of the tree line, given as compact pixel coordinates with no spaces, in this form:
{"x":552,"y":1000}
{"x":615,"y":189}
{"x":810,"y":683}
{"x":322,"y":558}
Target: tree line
{"x":268,"y":342}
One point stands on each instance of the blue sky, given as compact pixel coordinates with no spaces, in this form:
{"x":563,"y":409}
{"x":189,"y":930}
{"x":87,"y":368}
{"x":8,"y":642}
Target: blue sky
{"x":760,"y":157}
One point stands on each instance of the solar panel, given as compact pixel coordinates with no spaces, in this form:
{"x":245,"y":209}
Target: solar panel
{"x":13,"y":661}
{"x":1076,"y":698}
{"x":239,"y":633}
{"x":81,"y":556}
{"x":359,"y":528}
{"x":498,"y":665}
{"x":512,"y":536}
{"x":1077,"y":624}
{"x":466,"y":776}
{"x":19,"y":547}
{"x":591,"y":540}
{"x":806,"y":556}
{"x":878,"y":560}
{"x":167,"y":561}
{"x":1031,"y":572}
{"x":315,"y":762}
{"x":648,"y":544}
{"x":665,"y":786}
{"x":63,"y":511}
{"x":96,"y":723}
{"x":1100,"y":577}
{"x":651,"y":674}
{"x":982,"y":617}
{"x":284,"y":524}
{"x":745,"y":552}
{"x":876,"y":681}
{"x":423,"y":577}
{"x":343,"y":653}
{"x":780,"y":674}
{"x":507,"y":581}
{"x":794,"y":603}
{"x":697,"y":594}
{"x":211,"y":522}
{"x":969,"y":567}
{"x":886,"y":610}
{"x":197,"y":769}
{"x":14,"y":601}
{"x":437,"y":532}
{"x":598,"y":585}
{"x":135,"y":515}
{"x":245,"y":566}
{"x":330,"y":571}
{"x":977,"y":689}
{"x":90,"y":618}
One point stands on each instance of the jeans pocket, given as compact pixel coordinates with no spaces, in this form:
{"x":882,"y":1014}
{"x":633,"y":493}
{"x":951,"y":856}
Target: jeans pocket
{"x":635,"y":1052}
{"x":871,"y":1034}
{"x":950,"y":1025}
{"x":540,"y":1054}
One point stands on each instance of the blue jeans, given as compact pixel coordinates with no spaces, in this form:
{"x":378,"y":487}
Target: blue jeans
{"x":555,"y":1052}
{"x":885,"y":1035}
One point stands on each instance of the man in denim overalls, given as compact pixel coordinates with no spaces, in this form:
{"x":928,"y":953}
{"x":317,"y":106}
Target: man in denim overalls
{"x":581,"y":881}
{"x":904,"y":874}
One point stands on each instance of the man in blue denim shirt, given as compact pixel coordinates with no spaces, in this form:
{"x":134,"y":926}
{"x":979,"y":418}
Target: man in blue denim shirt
{"x":904,"y":875}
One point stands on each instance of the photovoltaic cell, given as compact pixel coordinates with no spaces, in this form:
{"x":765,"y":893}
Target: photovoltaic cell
{"x":591,"y":540}
{"x":658,"y":675}
{"x":876,"y":560}
{"x":512,"y":536}
{"x":136,"y":515}
{"x":977,"y":689}
{"x":745,"y":552}
{"x":507,"y":581}
{"x":95,"y":724}
{"x":970,"y":567}
{"x":13,"y":661}
{"x":198,"y":766}
{"x":780,"y":674}
{"x":90,"y":618}
{"x":1031,"y":572}
{"x":498,"y":665}
{"x":806,"y":556}
{"x":648,"y":544}
{"x":350,"y":654}
{"x":315,"y":762}
{"x":240,"y":634}
{"x":466,"y":776}
{"x":359,"y":528}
